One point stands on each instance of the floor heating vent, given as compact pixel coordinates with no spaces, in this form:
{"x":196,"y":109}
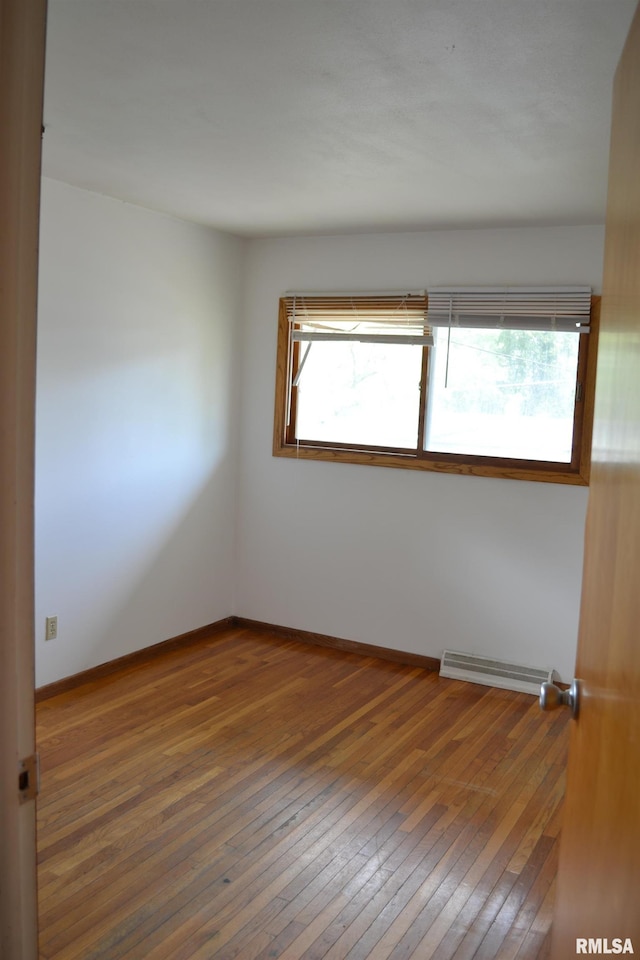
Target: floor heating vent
{"x":493,"y":673}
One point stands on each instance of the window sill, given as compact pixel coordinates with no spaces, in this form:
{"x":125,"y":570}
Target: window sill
{"x":463,"y":466}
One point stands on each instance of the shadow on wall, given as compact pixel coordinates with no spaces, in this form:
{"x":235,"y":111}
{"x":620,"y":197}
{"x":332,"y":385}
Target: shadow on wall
{"x":122,"y":587}
{"x":137,"y":347}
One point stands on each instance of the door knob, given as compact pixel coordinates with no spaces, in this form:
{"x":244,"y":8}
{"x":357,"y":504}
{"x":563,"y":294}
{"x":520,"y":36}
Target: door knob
{"x":552,"y":697}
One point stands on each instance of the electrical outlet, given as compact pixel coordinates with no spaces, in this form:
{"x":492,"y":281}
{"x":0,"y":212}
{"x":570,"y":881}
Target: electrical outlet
{"x":51,"y":631}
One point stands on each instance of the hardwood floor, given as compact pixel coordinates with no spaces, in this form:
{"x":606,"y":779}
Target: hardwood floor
{"x":255,"y":797}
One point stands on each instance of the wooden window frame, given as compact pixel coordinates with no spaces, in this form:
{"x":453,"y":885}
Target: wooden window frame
{"x":578,"y":473}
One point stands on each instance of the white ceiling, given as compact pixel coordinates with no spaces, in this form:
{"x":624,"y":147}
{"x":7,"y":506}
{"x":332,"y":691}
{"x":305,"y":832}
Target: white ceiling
{"x":274,"y":117}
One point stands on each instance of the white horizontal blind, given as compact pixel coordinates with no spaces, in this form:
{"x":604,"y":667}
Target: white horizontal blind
{"x":562,"y":309}
{"x":378,"y":317}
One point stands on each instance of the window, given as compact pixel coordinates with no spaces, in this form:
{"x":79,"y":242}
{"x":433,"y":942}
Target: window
{"x":490,"y":381}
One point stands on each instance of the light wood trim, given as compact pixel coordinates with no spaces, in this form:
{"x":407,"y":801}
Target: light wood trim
{"x":22,"y":35}
{"x":420,"y":460}
{"x":130,"y":660}
{"x":590,"y":390}
{"x":214,"y":630}
{"x":424,"y":395}
{"x":337,"y":643}
{"x":439,"y":466}
{"x":282,"y":365}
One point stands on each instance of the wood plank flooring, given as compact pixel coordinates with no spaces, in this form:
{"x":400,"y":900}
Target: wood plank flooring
{"x":252,"y":797}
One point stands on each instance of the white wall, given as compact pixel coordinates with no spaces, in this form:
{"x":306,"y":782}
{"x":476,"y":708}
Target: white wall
{"x":408,"y":560}
{"x":139,"y":495}
{"x":135,"y":465}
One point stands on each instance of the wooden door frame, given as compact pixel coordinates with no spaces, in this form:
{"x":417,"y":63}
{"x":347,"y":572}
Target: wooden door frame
{"x":22,"y":44}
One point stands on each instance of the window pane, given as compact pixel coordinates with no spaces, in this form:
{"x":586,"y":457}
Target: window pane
{"x":360,"y":393}
{"x":508,"y":393}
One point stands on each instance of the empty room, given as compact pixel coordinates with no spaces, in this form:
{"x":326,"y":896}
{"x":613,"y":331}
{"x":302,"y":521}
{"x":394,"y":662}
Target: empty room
{"x":334,"y":373}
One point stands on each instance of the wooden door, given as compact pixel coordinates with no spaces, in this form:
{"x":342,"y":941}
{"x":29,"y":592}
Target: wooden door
{"x":22,"y":29}
{"x":599,"y":875}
